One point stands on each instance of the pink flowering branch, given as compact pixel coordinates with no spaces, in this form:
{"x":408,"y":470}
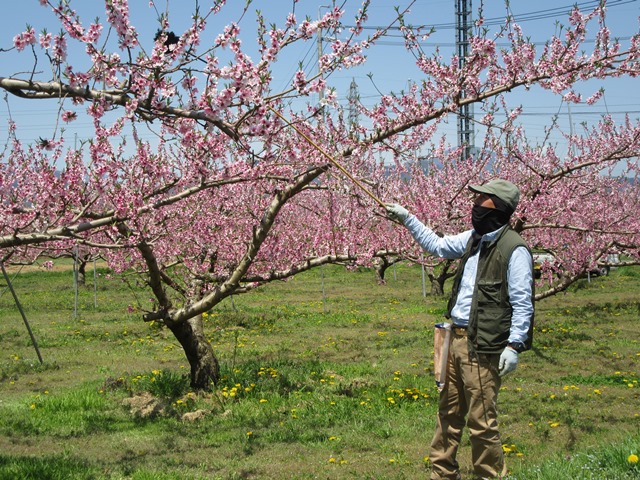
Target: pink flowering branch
{"x":228,"y":198}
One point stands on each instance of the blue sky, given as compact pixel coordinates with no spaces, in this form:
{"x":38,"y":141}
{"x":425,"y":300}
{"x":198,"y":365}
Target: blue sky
{"x":388,"y":63}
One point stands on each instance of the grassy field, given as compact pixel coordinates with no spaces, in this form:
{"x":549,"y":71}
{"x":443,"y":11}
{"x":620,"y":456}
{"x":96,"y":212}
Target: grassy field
{"x":327,"y":386}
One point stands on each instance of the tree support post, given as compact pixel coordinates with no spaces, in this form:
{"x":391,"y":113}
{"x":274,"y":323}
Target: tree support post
{"x":24,"y":317}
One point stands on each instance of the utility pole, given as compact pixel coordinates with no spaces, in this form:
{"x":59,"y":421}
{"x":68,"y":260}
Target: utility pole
{"x":466,"y":135}
{"x":320,"y":51}
{"x":321,"y":92}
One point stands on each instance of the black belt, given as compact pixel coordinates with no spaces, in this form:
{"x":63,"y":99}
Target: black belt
{"x":459,"y":330}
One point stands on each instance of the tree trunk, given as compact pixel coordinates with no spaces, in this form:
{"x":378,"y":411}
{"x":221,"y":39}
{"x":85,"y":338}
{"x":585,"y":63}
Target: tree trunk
{"x":205,"y":368}
{"x":438,"y":279}
{"x":82,"y":271}
{"x":437,"y":286}
{"x":381,"y":266}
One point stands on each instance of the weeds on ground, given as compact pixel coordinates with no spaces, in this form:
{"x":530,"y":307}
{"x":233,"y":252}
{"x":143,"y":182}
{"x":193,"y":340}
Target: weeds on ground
{"x":335,"y":387}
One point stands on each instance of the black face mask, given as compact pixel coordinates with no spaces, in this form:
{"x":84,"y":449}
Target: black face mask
{"x":487,"y":220}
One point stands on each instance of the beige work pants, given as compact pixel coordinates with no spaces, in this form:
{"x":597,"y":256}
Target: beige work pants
{"x":470,"y":391}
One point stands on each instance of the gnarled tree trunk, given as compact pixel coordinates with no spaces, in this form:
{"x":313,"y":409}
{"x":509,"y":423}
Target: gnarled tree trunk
{"x":381,"y":265}
{"x":439,"y":276}
{"x":82,"y":271}
{"x":205,"y":368}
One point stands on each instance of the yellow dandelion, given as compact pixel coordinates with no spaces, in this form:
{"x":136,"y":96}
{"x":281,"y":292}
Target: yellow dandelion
{"x":633,"y":458}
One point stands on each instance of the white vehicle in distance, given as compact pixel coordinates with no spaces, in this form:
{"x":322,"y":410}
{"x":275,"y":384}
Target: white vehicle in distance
{"x":604,"y":265}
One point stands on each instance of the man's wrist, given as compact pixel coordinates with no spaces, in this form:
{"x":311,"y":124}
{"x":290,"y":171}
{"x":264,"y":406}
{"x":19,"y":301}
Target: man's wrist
{"x":517,"y":346}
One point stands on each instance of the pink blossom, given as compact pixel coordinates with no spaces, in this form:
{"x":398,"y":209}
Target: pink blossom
{"x":69,"y":116}
{"x":299,"y":80}
{"x":595,"y":97}
{"x":28,"y":37}
{"x":265,"y":199}
{"x":572,"y":97}
{"x":45,"y":40}
{"x":59,"y":48}
{"x":93,"y":34}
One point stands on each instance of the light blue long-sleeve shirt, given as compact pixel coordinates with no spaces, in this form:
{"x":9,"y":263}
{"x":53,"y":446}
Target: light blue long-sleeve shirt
{"x":519,"y":275}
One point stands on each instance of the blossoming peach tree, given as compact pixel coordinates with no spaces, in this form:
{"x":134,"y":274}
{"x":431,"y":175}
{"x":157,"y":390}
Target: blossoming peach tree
{"x":229,"y":196}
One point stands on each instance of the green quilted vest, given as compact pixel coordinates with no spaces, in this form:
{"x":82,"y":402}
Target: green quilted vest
{"x":490,"y":315}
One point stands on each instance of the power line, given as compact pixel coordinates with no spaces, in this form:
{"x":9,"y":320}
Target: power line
{"x":452,"y":44}
{"x":519,"y":18}
{"x":548,"y":113}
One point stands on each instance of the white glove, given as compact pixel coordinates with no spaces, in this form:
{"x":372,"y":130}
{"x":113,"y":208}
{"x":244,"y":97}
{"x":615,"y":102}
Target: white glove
{"x":508,"y":361}
{"x":396,"y":212}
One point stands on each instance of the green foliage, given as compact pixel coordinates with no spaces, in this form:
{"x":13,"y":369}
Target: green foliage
{"x":56,"y":467}
{"x":611,"y":462}
{"x":17,"y":366}
{"x":595,"y":380}
{"x":73,"y":414}
{"x":165,"y":384}
{"x":629,"y":272}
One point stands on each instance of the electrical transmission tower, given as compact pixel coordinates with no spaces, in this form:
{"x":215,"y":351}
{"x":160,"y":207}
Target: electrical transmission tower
{"x":354,"y":114}
{"x":466,"y":136}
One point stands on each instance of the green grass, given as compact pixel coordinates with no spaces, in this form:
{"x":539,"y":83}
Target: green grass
{"x":312,"y":387}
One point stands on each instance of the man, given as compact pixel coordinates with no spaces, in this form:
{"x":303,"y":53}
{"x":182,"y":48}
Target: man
{"x":491,"y":311}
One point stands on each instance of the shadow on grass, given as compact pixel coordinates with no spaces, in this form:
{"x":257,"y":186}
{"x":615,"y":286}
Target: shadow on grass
{"x":46,"y":468}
